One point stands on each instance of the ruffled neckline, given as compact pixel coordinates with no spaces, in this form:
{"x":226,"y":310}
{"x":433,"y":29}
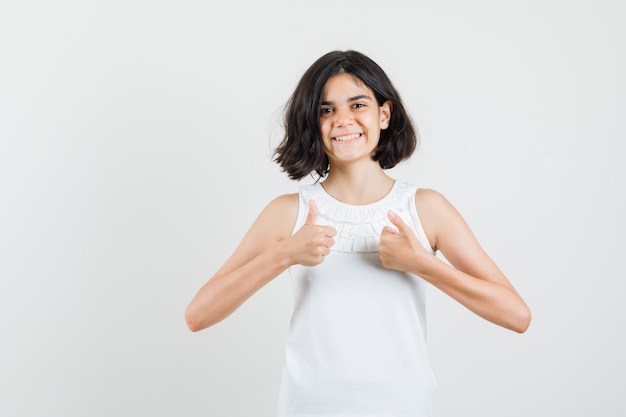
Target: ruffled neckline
{"x":358,"y":226}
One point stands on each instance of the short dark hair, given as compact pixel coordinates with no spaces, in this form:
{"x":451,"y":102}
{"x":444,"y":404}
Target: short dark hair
{"x":301,"y":151}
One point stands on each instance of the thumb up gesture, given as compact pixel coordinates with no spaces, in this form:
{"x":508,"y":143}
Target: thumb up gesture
{"x":399,"y":248}
{"x":309,"y":245}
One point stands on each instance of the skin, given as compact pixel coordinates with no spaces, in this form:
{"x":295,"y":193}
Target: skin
{"x":350,"y":111}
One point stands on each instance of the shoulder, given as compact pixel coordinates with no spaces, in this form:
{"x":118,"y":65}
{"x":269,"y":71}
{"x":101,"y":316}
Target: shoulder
{"x":430,"y":202}
{"x":284,"y":204}
{"x":436,"y":213}
{"x":279,"y":216}
{"x":428,"y":197}
{"x":285,"y":199}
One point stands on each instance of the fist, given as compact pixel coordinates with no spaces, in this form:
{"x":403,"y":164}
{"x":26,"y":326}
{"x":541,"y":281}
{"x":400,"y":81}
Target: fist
{"x":312,"y":242}
{"x":399,"y":248}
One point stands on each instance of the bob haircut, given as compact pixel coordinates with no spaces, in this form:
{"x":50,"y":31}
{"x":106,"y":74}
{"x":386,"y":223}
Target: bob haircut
{"x":302,"y":151}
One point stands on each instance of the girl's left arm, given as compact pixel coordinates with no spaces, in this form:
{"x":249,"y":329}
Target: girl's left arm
{"x":472,"y":278}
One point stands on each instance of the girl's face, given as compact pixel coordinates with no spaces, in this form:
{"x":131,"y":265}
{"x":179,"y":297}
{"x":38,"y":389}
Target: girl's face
{"x":351,"y":119}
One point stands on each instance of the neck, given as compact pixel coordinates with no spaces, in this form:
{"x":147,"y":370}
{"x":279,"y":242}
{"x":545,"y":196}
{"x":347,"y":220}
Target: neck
{"x":358,"y":186}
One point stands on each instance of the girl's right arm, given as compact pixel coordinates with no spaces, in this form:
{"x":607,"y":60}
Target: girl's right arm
{"x":267,"y":249}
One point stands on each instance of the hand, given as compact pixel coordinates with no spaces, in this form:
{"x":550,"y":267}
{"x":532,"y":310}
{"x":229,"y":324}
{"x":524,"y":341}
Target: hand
{"x":399,"y":249}
{"x":309,"y":245}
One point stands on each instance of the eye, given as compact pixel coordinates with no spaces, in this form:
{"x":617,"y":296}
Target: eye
{"x":358,"y":105}
{"x":326,"y":110}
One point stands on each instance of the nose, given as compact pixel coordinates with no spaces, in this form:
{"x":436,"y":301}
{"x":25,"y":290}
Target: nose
{"x":343,"y":116}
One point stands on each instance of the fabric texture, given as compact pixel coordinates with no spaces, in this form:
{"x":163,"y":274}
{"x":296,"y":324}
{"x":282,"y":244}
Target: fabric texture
{"x":357,"y":339}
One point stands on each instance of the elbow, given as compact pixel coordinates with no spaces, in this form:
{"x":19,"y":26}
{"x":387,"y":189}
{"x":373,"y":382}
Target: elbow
{"x":193,"y":323}
{"x":192,"y":326}
{"x":522,"y":320}
{"x":199,"y":320}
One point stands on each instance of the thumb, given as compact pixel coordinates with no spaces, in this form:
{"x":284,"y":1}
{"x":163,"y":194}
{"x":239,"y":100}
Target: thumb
{"x":397,"y":221}
{"x":312,"y":216}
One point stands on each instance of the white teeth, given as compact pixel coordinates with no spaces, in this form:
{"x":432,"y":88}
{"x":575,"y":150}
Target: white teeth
{"x":347,"y":137}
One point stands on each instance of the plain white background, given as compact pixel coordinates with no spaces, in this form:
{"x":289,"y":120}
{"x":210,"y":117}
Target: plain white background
{"x":135,"y":150}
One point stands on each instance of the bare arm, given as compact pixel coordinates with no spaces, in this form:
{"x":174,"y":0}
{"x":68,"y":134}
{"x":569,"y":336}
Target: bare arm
{"x":474,"y":279}
{"x":267,"y":249}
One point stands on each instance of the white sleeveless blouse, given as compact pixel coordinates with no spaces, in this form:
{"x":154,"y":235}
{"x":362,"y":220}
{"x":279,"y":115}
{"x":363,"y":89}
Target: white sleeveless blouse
{"x":357,"y":340}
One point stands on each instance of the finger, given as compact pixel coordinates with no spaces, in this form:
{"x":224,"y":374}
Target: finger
{"x":329,"y":231}
{"x":389,"y":230}
{"x":312,"y":215}
{"x":397,"y":221}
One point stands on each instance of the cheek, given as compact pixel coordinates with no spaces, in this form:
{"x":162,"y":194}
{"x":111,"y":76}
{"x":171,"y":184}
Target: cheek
{"x":324,"y":123}
{"x":324,"y":134}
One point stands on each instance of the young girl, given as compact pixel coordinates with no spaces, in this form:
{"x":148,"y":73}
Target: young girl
{"x":360,"y":247}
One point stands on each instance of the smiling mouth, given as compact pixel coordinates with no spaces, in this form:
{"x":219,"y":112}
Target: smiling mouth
{"x":347,"y":137}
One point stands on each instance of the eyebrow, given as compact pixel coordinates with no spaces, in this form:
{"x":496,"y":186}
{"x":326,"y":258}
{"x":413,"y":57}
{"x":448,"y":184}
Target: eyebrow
{"x":355,"y":98}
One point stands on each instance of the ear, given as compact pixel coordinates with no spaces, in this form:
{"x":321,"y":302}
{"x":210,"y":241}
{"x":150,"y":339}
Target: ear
{"x":385,"y":114}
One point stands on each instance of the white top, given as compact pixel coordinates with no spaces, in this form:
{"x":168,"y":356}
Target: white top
{"x":357,"y":340}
